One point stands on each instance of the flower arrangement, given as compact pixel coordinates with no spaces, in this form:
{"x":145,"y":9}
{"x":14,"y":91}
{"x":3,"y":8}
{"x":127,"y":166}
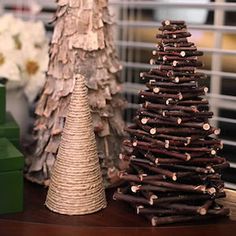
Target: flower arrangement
{"x":23,"y":54}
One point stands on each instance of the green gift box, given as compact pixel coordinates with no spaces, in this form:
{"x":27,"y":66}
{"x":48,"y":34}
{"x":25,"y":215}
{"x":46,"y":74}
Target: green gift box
{"x":2,"y":103}
{"x":11,"y":178}
{"x":10,"y":130}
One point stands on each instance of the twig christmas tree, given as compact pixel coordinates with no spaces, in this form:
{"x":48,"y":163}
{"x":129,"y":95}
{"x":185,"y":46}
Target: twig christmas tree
{"x":174,"y":173}
{"x":76,"y":186}
{"x":82,"y":43}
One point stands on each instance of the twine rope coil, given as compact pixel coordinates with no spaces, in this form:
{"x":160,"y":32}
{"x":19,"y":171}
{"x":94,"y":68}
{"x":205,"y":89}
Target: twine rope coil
{"x":76,"y":186}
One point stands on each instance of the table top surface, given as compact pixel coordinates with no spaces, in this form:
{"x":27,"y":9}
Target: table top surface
{"x":117,"y":219}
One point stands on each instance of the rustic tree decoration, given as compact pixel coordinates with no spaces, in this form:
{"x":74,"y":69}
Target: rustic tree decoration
{"x":76,"y":186}
{"x":82,"y":43}
{"x":174,"y":170}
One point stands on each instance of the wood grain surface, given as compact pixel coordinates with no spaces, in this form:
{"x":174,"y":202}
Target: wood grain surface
{"x":117,"y":219}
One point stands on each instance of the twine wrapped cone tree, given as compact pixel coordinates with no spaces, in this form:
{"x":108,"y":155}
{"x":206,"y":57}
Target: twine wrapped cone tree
{"x":82,"y":43}
{"x":175,"y":172}
{"x":76,"y":186}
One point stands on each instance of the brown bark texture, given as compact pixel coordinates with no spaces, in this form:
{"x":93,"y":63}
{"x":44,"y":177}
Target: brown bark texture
{"x":82,"y":43}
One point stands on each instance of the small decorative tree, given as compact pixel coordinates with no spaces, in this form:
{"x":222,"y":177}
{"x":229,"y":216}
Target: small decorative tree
{"x":82,"y":43}
{"x":174,"y":173}
{"x":76,"y":186}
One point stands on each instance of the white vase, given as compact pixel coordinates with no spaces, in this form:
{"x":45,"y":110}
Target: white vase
{"x":17,"y":104}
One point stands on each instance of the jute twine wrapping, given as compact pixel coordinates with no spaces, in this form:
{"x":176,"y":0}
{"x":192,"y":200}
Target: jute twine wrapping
{"x":76,"y":186}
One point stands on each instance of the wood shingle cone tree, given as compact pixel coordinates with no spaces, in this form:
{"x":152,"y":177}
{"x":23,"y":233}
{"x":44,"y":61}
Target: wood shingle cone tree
{"x":76,"y":185}
{"x":82,"y":42}
{"x":175,"y":172}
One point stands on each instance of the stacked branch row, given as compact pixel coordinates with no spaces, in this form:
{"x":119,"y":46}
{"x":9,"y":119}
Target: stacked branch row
{"x":175,"y":172}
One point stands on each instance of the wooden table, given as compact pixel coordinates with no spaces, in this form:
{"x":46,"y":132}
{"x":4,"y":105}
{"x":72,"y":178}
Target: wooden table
{"x":117,"y":219}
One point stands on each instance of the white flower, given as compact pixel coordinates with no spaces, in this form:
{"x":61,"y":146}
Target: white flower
{"x":23,"y":54}
{"x":8,"y":66}
{"x":34,"y":34}
{"x":7,"y":42}
{"x":10,"y":24}
{"x":33,"y":66}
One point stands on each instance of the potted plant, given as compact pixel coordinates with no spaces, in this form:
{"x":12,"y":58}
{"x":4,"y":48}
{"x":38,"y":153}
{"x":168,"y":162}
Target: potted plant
{"x":23,"y":62}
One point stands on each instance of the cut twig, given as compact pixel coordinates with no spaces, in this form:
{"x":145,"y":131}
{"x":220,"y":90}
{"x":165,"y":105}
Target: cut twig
{"x":175,"y":172}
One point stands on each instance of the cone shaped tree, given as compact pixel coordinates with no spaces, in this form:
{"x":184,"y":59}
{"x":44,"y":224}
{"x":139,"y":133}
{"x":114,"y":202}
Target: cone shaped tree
{"x":76,"y":185}
{"x":82,"y":43}
{"x":174,"y":173}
